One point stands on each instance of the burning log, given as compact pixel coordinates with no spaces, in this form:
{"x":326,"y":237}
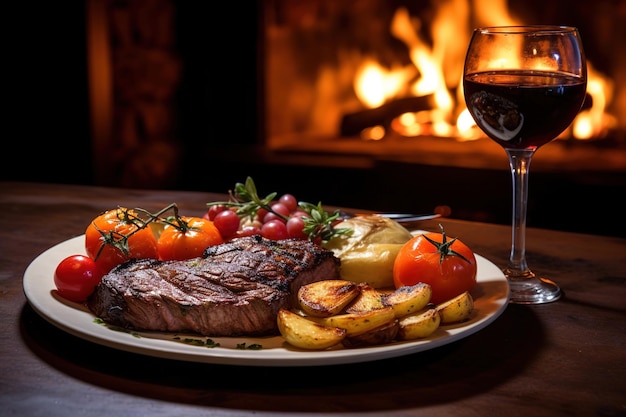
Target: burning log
{"x":353,"y":123}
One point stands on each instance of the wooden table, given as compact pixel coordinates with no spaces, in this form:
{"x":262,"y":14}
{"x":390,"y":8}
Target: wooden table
{"x":566,"y":358}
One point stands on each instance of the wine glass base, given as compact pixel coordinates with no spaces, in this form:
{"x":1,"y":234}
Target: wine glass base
{"x":533,"y":290}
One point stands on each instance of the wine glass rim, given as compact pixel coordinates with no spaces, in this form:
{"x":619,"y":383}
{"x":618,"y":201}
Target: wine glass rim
{"x":512,"y":29}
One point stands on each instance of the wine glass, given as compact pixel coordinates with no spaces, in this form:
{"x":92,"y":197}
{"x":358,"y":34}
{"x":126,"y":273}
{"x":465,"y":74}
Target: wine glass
{"x":523,"y":86}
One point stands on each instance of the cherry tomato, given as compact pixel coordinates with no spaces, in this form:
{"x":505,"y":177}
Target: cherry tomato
{"x":260,"y":214}
{"x":295,"y":227}
{"x":187,"y":240}
{"x":289,"y":201}
{"x":248,"y":231}
{"x":213,"y":211}
{"x":275,"y":230}
{"x":447,"y":265}
{"x":76,"y":277}
{"x":227,"y":222}
{"x":104,"y":239}
{"x":281,"y":208}
{"x":300,"y":213}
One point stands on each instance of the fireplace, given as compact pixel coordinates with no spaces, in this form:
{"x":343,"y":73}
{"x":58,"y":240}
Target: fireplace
{"x":380,"y":77}
{"x":297,"y":122}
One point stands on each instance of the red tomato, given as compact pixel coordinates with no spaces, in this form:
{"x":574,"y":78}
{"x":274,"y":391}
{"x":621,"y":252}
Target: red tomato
{"x":105,"y":242}
{"x":275,"y":230}
{"x":261,"y":213}
{"x":187,"y":239}
{"x":76,"y":277}
{"x":447,"y":265}
{"x":248,"y":231}
{"x":281,"y":209}
{"x":295,"y":228}
{"x":289,"y":201}
{"x":213,"y":211}
{"x":227,"y":222}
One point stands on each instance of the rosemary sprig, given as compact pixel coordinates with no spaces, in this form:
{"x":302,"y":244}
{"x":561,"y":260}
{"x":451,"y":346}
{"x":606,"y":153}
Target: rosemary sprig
{"x":319,"y":225}
{"x":247,"y":200}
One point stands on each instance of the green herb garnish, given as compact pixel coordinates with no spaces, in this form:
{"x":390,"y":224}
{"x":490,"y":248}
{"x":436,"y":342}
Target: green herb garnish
{"x":319,"y":225}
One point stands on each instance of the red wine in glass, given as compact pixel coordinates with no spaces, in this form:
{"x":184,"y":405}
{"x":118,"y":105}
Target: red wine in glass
{"x":523,"y":109}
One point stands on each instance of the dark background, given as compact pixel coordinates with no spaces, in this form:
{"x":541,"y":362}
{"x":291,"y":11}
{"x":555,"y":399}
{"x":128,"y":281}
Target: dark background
{"x":46,"y":132}
{"x":47,"y":123}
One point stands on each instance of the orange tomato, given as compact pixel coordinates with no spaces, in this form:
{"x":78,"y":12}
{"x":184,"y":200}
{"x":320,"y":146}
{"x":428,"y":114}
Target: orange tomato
{"x":187,"y":237}
{"x":447,"y":265}
{"x":116,"y":236}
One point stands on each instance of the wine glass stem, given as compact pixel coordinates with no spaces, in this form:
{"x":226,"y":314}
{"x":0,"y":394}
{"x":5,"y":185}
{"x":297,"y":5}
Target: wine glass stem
{"x":519,"y":161}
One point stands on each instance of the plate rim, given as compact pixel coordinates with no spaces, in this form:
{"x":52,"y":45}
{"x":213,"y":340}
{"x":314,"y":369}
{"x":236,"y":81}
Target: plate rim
{"x":76,"y":319}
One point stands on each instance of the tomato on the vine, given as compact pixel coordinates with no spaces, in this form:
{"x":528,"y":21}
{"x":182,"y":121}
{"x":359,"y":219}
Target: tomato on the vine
{"x":116,"y":236}
{"x":76,"y":277}
{"x":187,"y":237}
{"x":447,"y":265}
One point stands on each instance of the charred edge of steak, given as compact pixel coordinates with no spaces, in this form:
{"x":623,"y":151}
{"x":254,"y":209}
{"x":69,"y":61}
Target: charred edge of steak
{"x":235,"y":289}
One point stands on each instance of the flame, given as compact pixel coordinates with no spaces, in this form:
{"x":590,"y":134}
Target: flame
{"x":493,"y":13}
{"x":429,"y":63}
{"x":374,"y":85}
{"x":436,"y":71}
{"x":594,"y":122}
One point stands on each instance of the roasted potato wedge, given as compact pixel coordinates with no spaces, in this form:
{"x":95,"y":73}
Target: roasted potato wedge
{"x":369,"y":299}
{"x":327,"y":298}
{"x":303,"y":333}
{"x":358,"y":323}
{"x":409,"y":299}
{"x":419,"y":325}
{"x":457,"y":309}
{"x":378,"y":336}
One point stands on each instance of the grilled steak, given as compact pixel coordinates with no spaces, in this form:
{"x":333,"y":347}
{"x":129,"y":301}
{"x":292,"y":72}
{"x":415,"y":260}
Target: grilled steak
{"x":234,"y":289}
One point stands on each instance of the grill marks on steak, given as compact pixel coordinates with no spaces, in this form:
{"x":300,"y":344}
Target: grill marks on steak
{"x":235,"y":289}
{"x":279,"y":264}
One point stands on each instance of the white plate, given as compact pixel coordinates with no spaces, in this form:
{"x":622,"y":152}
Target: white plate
{"x":490,"y":300}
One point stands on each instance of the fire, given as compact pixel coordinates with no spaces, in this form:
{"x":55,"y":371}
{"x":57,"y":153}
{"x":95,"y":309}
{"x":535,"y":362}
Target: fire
{"x":594,"y":122}
{"x":436,"y":72}
{"x":374,"y":85}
